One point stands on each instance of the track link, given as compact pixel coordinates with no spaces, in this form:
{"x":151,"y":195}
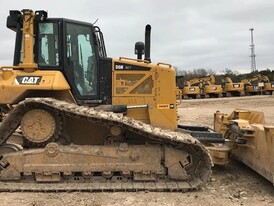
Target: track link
{"x":170,"y":186}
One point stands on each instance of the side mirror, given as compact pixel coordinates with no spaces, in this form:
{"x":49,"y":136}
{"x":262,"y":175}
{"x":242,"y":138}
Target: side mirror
{"x":13,"y":19}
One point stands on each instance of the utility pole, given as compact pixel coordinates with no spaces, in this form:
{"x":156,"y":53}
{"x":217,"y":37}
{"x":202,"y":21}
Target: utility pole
{"x":252,"y":56}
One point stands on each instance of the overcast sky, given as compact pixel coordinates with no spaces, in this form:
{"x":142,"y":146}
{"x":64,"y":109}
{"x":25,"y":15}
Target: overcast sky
{"x":210,"y":34}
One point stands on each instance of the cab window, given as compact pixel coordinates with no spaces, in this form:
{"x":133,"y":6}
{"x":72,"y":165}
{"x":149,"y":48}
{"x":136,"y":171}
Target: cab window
{"x":81,"y":59}
{"x":48,"y":51}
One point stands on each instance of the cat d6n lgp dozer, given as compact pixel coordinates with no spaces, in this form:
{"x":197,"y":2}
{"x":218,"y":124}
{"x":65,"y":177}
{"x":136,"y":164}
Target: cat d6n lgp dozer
{"x":73,"y":115}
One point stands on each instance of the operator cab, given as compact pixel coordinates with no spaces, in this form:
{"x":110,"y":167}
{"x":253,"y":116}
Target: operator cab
{"x":72,"y":47}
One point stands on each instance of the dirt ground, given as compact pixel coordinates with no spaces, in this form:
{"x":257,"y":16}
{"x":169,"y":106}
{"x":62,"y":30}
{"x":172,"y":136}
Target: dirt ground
{"x":234,"y":184}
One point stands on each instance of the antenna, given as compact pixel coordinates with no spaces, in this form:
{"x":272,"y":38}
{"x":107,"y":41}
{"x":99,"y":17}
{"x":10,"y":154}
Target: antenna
{"x":252,"y":56}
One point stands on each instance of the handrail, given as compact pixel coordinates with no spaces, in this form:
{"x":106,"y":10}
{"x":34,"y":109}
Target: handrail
{"x":136,"y":60}
{"x":3,"y":68}
{"x":161,"y":63}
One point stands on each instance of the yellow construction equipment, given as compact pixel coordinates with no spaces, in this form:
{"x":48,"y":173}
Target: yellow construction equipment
{"x":249,"y":139}
{"x":190,"y":91}
{"x":255,"y":84}
{"x":210,"y":89}
{"x":74,"y":115}
{"x":232,"y":89}
{"x":267,"y":86}
{"x":203,"y":86}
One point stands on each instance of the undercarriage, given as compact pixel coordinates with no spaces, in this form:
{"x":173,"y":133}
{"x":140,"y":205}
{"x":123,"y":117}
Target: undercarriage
{"x":66,"y":147}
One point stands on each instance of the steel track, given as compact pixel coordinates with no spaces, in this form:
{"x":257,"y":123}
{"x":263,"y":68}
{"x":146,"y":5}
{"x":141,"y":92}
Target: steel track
{"x":108,"y":186}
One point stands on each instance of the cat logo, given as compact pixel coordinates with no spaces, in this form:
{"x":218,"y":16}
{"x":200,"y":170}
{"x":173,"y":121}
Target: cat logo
{"x":28,"y":80}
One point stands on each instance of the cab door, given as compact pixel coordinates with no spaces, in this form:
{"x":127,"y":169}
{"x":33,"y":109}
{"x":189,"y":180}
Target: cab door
{"x":80,"y":61}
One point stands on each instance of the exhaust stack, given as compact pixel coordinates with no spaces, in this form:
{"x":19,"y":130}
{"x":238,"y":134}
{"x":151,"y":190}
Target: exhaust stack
{"x":147,"y":42}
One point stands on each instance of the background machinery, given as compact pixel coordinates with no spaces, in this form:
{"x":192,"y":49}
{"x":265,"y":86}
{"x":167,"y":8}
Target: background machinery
{"x":203,"y":86}
{"x":255,"y":84}
{"x":250,"y":140}
{"x":74,"y":115}
{"x":191,"y":91}
{"x":210,"y":89}
{"x":268,"y":86}
{"x":232,"y":89}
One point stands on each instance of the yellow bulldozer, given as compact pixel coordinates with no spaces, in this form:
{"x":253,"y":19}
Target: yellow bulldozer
{"x":232,"y":89}
{"x":73,"y":115}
